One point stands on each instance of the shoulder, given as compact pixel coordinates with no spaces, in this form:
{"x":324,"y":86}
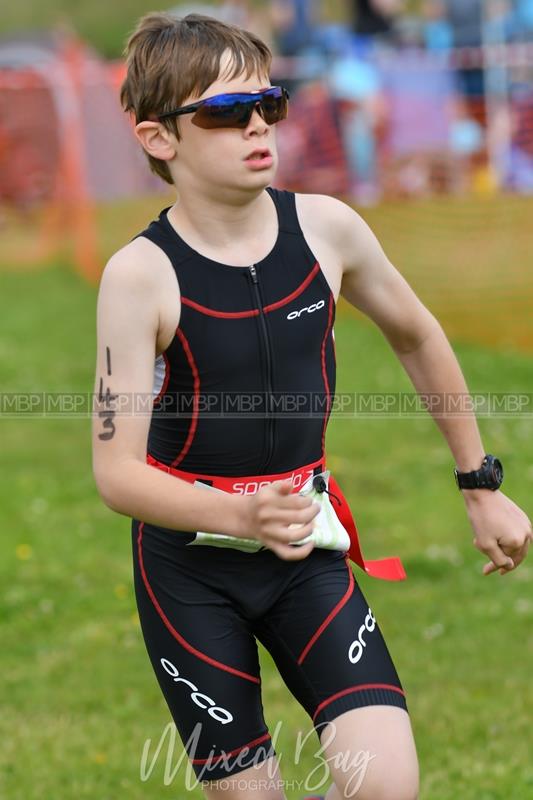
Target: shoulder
{"x":320,"y":206}
{"x":140,"y":268}
{"x":138,"y":263}
{"x":139,"y":287}
{"x":339,"y":225}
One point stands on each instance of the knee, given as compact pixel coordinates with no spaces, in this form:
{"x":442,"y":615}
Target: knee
{"x":397,"y":793}
{"x":401,"y":794}
{"x":394,"y":785}
{"x":403,"y":788}
{"x":384,"y":792}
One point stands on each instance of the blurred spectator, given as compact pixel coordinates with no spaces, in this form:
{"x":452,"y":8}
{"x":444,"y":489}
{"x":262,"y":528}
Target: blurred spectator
{"x":466,"y":135}
{"x":438,"y":33}
{"x":314,"y":158}
{"x":294,"y":24}
{"x":295,"y":34}
{"x":497,"y":28}
{"x":521,"y":21}
{"x":416,"y":155}
{"x":519,"y":176}
{"x":466,"y":20}
{"x":467,"y":146}
{"x":356,"y":86}
{"x":374,"y":19}
{"x":524,"y":16}
{"x":499,"y":21}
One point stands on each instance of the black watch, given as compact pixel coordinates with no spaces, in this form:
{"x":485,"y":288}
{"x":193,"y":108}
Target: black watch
{"x":488,"y":476}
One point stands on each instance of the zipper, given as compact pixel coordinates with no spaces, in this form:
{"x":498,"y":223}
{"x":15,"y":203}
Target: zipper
{"x":270,"y":391}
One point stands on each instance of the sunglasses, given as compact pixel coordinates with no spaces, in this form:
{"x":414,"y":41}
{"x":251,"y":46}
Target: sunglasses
{"x":234,"y":110}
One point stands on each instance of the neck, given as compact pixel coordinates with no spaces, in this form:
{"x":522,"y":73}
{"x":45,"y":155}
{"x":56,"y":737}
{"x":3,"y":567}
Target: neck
{"x":219,"y":219}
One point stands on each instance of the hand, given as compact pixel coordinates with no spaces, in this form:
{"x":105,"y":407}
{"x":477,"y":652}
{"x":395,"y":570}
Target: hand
{"x":270,"y":512}
{"x":502,"y":530}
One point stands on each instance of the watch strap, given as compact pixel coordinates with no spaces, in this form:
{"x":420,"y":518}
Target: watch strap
{"x":481,"y":478}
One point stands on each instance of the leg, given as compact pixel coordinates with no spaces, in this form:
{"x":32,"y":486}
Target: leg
{"x":330,"y":651}
{"x":205,"y":659}
{"x":371,"y":754}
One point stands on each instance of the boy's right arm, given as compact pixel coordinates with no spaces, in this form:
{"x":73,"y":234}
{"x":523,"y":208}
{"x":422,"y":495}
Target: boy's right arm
{"x":127,"y":329}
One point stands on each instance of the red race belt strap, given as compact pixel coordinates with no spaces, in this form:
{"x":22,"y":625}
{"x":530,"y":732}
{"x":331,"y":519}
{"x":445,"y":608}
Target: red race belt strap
{"x":388,"y":569}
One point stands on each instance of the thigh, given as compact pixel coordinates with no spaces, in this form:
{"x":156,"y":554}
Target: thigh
{"x":205,"y":658}
{"x":327,"y":643}
{"x":371,"y":753}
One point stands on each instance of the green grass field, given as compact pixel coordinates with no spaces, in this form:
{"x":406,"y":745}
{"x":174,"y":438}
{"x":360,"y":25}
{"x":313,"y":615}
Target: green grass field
{"x":79,"y":696}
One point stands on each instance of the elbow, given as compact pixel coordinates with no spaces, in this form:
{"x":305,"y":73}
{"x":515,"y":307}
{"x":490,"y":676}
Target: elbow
{"x":113,"y":504}
{"x":117,"y":482}
{"x":411,"y":339}
{"x":109,"y":491}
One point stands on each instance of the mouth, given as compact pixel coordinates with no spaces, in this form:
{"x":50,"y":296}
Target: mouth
{"x":259,"y":154}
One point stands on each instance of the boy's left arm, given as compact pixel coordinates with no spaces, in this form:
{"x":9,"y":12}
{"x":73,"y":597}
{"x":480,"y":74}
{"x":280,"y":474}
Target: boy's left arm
{"x":372,"y":284}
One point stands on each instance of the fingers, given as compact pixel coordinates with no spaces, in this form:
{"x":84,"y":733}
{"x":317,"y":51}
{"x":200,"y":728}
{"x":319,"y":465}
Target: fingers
{"x":504,"y":569}
{"x":505,"y":563}
{"x":505,"y":558}
{"x":282,"y":518}
{"x":286,"y":518}
{"x":287,"y":498}
{"x":503,"y":566}
{"x":282,"y":487}
{"x":498,"y":559}
{"x":288,"y":535}
{"x":275,"y":509}
{"x":294,"y":533}
{"x":295,"y":501}
{"x":519,"y":553}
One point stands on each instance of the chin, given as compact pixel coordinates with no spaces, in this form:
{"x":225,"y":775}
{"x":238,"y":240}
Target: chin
{"x":260,"y":181}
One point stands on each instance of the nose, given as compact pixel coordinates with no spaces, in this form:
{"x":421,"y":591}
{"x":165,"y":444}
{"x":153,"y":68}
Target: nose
{"x":257,"y":119}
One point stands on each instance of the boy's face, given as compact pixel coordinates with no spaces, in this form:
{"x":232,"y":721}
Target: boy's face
{"x":215,"y":159}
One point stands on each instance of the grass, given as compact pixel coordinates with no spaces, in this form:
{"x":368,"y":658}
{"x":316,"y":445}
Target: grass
{"x":80,"y":698}
{"x":469,"y":259}
{"x":103,"y":25}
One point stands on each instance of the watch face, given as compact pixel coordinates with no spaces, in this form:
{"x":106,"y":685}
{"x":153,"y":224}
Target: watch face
{"x":497,"y":470}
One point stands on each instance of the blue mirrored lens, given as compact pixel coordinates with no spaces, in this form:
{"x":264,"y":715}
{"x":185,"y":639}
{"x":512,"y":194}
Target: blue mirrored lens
{"x":236,"y":100}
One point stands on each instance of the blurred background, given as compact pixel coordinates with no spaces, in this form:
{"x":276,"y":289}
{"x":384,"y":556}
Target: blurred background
{"x":420,"y":115}
{"x":421,"y":109}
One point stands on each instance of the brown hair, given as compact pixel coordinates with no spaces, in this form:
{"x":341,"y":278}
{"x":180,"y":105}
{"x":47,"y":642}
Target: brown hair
{"x":170,"y":58}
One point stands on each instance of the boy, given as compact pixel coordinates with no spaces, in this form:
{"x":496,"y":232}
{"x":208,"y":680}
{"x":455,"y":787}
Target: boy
{"x":233,"y":291}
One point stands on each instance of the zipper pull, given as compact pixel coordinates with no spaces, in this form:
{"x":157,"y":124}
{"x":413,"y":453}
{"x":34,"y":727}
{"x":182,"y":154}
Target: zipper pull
{"x":253,"y":273}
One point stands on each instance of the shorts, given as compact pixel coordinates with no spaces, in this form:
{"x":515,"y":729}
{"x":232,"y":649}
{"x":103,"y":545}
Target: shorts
{"x":203,"y":610}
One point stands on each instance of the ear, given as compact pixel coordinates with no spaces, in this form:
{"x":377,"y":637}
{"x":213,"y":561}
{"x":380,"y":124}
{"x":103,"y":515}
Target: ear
{"x":156,"y":140}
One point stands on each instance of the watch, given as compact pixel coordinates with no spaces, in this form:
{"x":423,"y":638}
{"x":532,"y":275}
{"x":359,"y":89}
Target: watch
{"x":488,"y":476}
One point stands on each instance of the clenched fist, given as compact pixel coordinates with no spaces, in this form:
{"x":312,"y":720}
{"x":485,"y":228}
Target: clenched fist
{"x":270,"y":513}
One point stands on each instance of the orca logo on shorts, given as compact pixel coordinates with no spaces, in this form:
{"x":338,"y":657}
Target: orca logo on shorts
{"x":357,"y":647}
{"x":309,"y":309}
{"x":221,"y":715}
